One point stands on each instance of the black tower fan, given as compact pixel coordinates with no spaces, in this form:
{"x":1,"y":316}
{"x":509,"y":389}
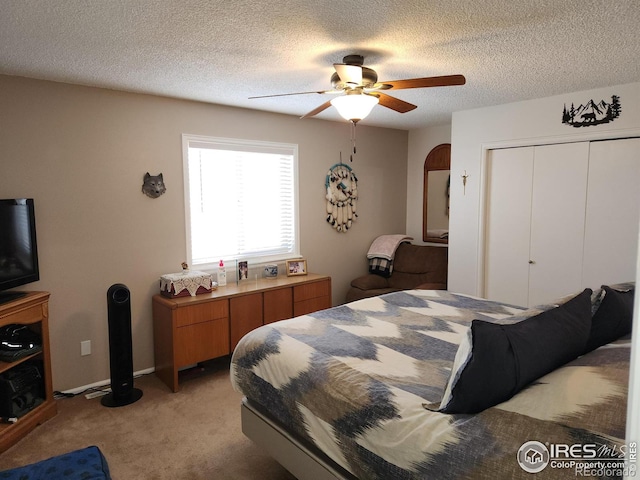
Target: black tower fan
{"x":120,"y":349}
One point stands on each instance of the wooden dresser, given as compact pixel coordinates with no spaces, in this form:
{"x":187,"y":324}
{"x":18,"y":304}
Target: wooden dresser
{"x":32,"y":309}
{"x":188,"y":330}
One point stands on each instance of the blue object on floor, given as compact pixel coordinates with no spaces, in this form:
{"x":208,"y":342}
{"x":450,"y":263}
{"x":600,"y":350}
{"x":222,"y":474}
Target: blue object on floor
{"x":85,"y":464}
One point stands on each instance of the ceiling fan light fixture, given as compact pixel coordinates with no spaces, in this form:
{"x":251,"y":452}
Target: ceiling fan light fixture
{"x":354,"y":107}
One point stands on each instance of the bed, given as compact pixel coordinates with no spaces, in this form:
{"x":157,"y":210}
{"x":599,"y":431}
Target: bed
{"x":394,"y":387}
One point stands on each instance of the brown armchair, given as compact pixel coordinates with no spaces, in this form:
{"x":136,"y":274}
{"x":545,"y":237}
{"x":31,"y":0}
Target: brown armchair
{"x":414,"y":266}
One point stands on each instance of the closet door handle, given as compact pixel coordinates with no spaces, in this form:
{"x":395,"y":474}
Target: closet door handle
{"x":531,"y":262}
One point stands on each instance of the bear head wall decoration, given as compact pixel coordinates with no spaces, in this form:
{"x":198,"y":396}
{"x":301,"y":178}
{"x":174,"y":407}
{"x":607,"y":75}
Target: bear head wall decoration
{"x":153,"y":185}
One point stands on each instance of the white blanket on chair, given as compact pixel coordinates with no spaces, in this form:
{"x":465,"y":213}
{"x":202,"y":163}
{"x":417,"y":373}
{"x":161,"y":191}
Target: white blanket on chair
{"x":385,"y":246}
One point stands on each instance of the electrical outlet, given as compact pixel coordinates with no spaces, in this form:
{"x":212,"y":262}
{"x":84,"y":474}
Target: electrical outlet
{"x":85,"y":348}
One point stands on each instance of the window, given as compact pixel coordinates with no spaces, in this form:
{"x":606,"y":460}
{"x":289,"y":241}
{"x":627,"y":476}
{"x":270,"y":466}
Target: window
{"x":241,"y":200}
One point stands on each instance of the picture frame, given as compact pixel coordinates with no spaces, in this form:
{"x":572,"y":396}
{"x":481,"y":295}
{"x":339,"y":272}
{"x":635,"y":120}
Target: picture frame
{"x":243,"y":271}
{"x":296,"y":267}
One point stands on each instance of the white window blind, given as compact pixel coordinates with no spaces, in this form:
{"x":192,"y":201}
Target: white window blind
{"x":241,"y":200}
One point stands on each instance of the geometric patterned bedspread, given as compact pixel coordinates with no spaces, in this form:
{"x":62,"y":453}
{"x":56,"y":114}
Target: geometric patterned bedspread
{"x":352,"y":381}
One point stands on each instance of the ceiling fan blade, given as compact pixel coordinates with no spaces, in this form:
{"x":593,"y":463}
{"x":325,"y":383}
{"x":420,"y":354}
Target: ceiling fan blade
{"x":287,"y":94}
{"x":317,"y":110}
{"x":444,"y":81}
{"x":351,"y":74}
{"x":394,"y":103}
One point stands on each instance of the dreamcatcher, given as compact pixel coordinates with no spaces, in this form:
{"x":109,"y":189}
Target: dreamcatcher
{"x":342,"y":195}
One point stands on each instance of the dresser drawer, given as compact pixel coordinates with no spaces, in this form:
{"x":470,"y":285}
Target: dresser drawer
{"x":202,"y":312}
{"x":311,"y":305}
{"x":201,"y":341}
{"x":246,"y":315}
{"x":278,"y":305}
{"x":311,"y":297}
{"x":311,"y":290}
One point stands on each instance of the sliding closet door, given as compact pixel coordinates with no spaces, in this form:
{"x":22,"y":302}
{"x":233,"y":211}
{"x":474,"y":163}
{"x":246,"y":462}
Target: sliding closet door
{"x":508,"y":219}
{"x":557,"y":220}
{"x":561,"y":218}
{"x":613,"y":212}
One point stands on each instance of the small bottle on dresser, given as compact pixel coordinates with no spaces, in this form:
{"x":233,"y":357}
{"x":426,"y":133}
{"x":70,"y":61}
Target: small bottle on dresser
{"x":222,"y":274}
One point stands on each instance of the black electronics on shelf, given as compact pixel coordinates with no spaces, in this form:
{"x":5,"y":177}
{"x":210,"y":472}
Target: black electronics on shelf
{"x":21,"y":389}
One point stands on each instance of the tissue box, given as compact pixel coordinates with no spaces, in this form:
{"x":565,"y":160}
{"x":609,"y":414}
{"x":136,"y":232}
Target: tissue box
{"x":186,"y":283}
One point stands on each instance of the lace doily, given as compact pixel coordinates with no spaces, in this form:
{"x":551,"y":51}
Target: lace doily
{"x":189,"y":281}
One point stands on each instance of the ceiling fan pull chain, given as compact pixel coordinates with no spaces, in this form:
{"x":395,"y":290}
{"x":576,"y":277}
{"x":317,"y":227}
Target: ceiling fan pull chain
{"x":353,"y":139}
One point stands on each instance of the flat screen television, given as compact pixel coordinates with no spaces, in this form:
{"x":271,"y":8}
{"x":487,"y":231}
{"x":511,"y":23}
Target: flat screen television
{"x":18,"y":246}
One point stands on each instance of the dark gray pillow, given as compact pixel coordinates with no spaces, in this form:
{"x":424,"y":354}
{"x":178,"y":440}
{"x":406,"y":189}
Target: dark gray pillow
{"x":506,"y":358}
{"x":612,"y":319}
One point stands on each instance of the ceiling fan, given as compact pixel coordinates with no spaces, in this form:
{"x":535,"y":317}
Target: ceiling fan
{"x":361,"y":90}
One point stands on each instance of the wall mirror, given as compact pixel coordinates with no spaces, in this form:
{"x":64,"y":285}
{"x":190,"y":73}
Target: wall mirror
{"x":435,"y":207}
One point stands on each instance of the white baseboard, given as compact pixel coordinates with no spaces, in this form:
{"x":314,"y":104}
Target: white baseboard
{"x":107,"y":382}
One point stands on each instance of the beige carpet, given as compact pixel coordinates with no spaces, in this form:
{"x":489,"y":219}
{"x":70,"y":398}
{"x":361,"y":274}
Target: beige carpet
{"x":192,"y":434}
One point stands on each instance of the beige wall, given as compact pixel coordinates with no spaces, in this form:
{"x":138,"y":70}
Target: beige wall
{"x":81,"y":154}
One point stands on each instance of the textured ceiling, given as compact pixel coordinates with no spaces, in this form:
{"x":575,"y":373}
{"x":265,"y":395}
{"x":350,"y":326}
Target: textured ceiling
{"x":224,"y":52}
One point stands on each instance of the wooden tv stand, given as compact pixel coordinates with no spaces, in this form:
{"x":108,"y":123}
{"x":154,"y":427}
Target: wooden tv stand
{"x":188,"y":330}
{"x":30,"y":309}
